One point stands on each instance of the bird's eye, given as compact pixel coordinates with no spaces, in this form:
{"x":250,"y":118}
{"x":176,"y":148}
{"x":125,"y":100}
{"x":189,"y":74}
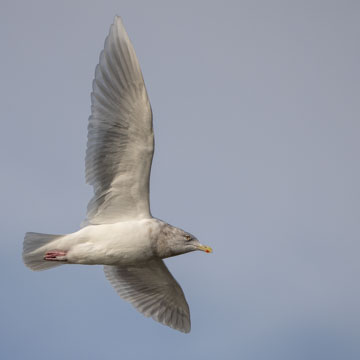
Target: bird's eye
{"x":187,"y":237}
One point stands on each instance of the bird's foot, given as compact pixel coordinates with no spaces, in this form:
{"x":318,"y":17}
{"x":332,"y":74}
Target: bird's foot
{"x":55,"y":255}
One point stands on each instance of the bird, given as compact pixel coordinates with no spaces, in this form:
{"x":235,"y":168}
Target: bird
{"x":119,"y":231}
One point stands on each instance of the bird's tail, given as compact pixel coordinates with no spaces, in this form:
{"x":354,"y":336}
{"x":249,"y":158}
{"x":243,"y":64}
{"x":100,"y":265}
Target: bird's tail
{"x":34,"y":249}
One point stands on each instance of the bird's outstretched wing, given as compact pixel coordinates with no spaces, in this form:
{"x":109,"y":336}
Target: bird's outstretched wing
{"x":120,"y":135}
{"x":153,"y":291}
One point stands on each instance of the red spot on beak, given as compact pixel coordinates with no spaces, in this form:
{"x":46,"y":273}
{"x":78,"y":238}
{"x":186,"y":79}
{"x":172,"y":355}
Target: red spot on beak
{"x":207,"y":251}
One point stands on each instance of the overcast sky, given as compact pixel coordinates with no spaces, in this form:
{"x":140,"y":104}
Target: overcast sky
{"x":257,"y":124}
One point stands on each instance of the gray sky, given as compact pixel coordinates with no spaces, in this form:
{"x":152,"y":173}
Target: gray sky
{"x":256,"y":113}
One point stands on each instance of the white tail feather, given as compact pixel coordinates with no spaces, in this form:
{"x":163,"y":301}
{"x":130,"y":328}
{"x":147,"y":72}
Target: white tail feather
{"x":33,"y":254}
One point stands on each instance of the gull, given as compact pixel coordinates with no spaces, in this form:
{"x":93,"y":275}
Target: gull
{"x":119,"y":231}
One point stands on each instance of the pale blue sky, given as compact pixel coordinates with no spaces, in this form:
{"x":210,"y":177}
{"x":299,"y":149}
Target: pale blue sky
{"x":256,"y":113}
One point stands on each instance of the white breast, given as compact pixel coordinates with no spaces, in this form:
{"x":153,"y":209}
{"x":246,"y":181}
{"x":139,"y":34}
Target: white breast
{"x":121,"y":243}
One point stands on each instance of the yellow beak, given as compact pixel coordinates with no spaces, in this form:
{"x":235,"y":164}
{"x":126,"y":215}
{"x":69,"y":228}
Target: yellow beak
{"x":207,"y":249}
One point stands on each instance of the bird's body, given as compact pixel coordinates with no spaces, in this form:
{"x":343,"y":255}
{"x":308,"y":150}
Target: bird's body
{"x":120,"y":232}
{"x":114,"y":244}
{"x":108,"y":244}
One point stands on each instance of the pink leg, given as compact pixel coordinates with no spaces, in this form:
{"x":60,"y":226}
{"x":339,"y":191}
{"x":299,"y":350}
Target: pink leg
{"x":55,"y":255}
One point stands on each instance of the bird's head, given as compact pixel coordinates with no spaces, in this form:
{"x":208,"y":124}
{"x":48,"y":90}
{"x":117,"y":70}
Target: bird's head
{"x":174,"y":241}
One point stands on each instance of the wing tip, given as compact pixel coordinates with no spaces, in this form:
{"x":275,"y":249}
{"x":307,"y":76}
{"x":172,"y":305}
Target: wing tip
{"x":118,"y":23}
{"x":117,"y":18}
{"x":186,"y":328}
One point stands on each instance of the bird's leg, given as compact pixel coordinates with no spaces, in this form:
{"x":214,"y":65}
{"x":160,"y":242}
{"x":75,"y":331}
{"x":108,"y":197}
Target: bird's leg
{"x":55,"y":255}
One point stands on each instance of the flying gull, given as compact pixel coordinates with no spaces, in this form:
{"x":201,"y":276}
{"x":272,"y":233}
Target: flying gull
{"x":119,"y":231}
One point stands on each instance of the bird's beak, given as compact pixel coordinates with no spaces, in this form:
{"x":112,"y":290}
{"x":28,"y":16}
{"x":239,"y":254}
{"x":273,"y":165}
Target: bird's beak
{"x":205,"y":248}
